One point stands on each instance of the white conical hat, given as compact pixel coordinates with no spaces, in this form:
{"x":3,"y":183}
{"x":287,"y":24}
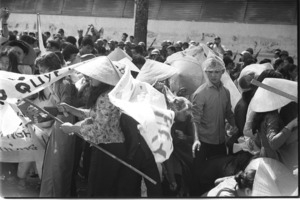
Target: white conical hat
{"x":102,"y":69}
{"x":128,"y":63}
{"x":153,"y":71}
{"x":264,"y":100}
{"x":272,"y":178}
{"x":118,"y":54}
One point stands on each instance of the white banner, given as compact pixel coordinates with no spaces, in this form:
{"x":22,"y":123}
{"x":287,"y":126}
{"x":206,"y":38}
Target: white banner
{"x":148,"y":107}
{"x":25,"y":143}
{"x":19,"y":86}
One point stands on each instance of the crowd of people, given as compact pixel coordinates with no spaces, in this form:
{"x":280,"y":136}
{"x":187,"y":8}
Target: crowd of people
{"x":203,"y":137}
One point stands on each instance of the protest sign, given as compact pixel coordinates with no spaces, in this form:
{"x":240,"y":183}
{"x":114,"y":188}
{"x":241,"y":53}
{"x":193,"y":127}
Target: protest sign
{"x":19,"y":86}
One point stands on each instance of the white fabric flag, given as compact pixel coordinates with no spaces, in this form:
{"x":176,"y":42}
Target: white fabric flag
{"x":41,"y":43}
{"x":148,"y":107}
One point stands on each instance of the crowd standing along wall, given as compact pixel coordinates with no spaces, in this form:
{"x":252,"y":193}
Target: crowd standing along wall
{"x":235,"y":36}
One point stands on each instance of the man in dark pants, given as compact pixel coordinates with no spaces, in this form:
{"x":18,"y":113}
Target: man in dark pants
{"x":211,"y":106}
{"x":139,"y":156}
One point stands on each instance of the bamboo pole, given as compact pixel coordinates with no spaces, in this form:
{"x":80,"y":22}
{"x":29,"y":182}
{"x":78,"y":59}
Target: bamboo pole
{"x":274,"y":90}
{"x":95,"y":145}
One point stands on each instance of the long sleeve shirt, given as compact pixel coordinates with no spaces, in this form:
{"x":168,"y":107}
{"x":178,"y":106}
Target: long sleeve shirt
{"x":211,"y":106}
{"x":103,"y":125}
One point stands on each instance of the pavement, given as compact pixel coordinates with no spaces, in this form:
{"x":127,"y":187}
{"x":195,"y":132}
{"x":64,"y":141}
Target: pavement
{"x":13,"y":188}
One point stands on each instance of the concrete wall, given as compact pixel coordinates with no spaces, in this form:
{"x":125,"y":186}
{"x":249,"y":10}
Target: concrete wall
{"x":235,"y":36}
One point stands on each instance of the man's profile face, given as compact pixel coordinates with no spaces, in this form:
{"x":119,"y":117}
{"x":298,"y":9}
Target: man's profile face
{"x":214,"y":76}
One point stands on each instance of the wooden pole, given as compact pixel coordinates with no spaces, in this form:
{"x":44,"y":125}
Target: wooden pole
{"x":274,"y":90}
{"x":95,"y":145}
{"x":141,"y":21}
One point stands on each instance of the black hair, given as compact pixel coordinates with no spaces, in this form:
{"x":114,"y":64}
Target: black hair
{"x":87,"y":41}
{"x":69,"y":50}
{"x":13,"y":60}
{"x":61,"y":30}
{"x":138,"y":60}
{"x":266,"y":60}
{"x":54,"y":43}
{"x":250,"y":50}
{"x":49,"y":60}
{"x":47,"y":33}
{"x":71,"y":39}
{"x":139,"y":49}
{"x":245,"y":179}
{"x":126,"y":35}
{"x":23,"y":45}
{"x":101,"y":50}
{"x":95,"y":92}
{"x":32,"y":34}
{"x":290,"y":60}
{"x":186,"y":44}
{"x":64,"y":45}
{"x":12,"y":37}
{"x":172,"y":48}
{"x":227,"y":60}
{"x":26,"y":38}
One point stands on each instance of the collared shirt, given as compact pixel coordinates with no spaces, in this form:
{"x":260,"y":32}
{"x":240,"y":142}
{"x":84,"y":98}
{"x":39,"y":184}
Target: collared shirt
{"x":211,"y":105}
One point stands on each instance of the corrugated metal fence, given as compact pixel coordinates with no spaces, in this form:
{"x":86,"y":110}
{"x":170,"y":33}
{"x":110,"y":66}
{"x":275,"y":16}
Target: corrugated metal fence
{"x":241,"y":11}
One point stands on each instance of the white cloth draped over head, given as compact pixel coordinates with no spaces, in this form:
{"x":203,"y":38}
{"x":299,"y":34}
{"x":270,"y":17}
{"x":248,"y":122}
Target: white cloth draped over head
{"x":153,"y":71}
{"x":213,"y":63}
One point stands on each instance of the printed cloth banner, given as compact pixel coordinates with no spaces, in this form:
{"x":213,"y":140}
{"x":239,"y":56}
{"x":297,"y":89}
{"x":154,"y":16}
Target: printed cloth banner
{"x":20,"y":143}
{"x":25,"y":143}
{"x":19,"y":86}
{"x":148,"y":107}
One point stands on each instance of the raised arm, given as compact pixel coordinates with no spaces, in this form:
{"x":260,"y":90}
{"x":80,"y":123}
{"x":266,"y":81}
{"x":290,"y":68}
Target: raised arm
{"x":4,"y":16}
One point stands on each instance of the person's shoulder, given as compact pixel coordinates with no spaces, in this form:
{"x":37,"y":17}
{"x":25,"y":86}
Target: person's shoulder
{"x":202,"y":88}
{"x":200,"y":92}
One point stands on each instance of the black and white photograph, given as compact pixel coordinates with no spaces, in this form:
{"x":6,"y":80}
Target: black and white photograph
{"x":149,"y":99}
